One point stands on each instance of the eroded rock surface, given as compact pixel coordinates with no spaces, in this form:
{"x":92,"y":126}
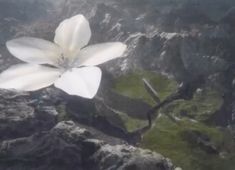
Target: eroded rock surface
{"x":67,"y":146}
{"x":20,"y":117}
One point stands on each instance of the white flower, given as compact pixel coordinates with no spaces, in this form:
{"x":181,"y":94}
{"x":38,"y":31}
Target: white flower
{"x":69,"y":66}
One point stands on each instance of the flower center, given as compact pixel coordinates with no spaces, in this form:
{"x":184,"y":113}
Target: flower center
{"x":64,"y":62}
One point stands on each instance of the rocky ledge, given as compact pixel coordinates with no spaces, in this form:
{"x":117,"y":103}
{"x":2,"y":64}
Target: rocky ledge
{"x":34,"y":138}
{"x":67,"y":146}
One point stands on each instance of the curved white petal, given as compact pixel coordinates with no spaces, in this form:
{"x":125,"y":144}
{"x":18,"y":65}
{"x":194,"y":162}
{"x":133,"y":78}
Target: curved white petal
{"x":100,"y":53}
{"x":72,"y":34}
{"x":28,"y":77}
{"x":34,"y":50}
{"x":82,"y":82}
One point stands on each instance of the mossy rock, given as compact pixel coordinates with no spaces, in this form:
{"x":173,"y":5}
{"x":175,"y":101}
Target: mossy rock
{"x":166,"y":138}
{"x":172,"y":139}
{"x":132,"y":124}
{"x":204,"y":104}
{"x":131,"y":85}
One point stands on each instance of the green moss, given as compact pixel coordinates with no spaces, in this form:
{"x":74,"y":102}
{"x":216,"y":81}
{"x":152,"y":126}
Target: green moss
{"x":132,"y":124}
{"x":204,"y":104}
{"x":166,"y":138}
{"x":131,"y":85}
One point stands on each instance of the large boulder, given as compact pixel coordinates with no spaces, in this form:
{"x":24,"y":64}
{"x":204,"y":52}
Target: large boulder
{"x":67,"y":146}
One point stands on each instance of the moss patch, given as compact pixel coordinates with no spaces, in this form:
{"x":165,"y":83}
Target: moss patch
{"x":204,"y":104}
{"x":166,"y":138}
{"x":132,"y":124}
{"x":131,"y":85}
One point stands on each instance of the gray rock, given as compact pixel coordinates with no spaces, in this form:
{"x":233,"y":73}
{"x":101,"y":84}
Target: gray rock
{"x":67,"y":146}
{"x":19,"y":118}
{"x":123,"y":157}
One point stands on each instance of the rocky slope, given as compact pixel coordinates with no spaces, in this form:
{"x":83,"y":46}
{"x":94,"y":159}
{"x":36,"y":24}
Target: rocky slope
{"x":67,"y":146}
{"x":31,"y":138}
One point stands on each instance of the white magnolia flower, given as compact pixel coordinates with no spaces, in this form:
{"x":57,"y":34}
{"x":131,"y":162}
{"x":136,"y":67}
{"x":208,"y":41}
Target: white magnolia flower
{"x":69,"y":66}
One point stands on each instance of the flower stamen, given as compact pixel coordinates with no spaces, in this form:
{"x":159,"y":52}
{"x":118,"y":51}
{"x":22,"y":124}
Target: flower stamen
{"x":63,"y":62}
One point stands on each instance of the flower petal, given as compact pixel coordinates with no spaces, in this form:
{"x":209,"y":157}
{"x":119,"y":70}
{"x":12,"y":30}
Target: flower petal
{"x":100,"y":53}
{"x":34,"y":50}
{"x":72,"y":34}
{"x":28,"y":77}
{"x":82,"y":82}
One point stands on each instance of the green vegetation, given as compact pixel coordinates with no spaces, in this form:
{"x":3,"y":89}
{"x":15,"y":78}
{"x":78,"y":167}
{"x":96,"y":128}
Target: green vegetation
{"x":131,"y":85}
{"x":171,"y":139}
{"x":167,"y":138}
{"x":204,"y":104}
{"x":131,"y":124}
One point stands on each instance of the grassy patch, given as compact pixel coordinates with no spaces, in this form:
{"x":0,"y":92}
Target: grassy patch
{"x":132,"y":124}
{"x":166,"y":138}
{"x":131,"y":85}
{"x":204,"y":104}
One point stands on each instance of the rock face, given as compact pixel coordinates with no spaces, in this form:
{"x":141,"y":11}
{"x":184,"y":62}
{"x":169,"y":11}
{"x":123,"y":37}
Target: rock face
{"x":67,"y":146}
{"x":20,"y":118}
{"x":31,"y":138}
{"x":129,"y":158}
